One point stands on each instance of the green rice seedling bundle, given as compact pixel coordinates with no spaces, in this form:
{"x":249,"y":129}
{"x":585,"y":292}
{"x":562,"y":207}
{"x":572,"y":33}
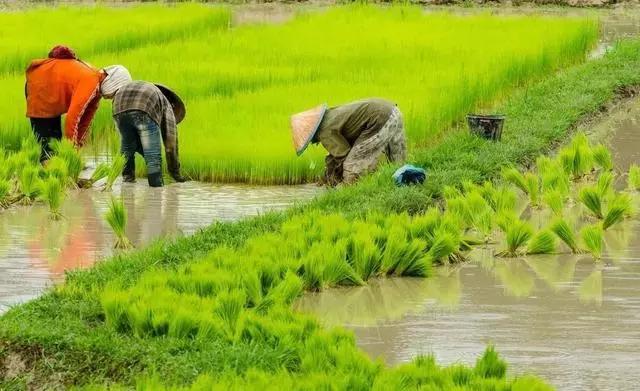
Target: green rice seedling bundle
{"x":30,"y":184}
{"x":74,"y":162}
{"x":533,"y":189}
{"x":505,"y":200}
{"x":593,"y":239}
{"x":366,"y":256}
{"x":633,"y":179}
{"x":555,"y":201}
{"x":602,"y":157}
{"x":565,"y":233}
{"x":115,"y":170}
{"x":116,"y":216}
{"x":592,"y":200}
{"x":618,"y":208}
{"x":518,"y":234}
{"x":56,"y":167}
{"x":516,"y":178}
{"x":605,"y":185}
{"x":506,"y":219}
{"x":577,"y":158}
{"x":243,"y":84}
{"x":554,"y":178}
{"x":102,"y":171}
{"x":53,"y":195}
{"x":543,"y":242}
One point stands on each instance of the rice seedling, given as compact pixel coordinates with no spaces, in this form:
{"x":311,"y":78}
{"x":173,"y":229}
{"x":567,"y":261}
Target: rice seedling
{"x":505,"y":200}
{"x":533,"y":188}
{"x":633,"y":178}
{"x":101,"y":172}
{"x":543,"y":242}
{"x":513,"y":176}
{"x":605,"y":184}
{"x":56,"y":167}
{"x":555,"y":201}
{"x":30,"y":184}
{"x":566,"y":234}
{"x":74,"y":162}
{"x":593,"y":239}
{"x":115,"y":170}
{"x":518,"y":234}
{"x":618,"y":208}
{"x":53,"y":194}
{"x":116,"y":216}
{"x":602,"y":157}
{"x":577,"y":158}
{"x":592,"y":200}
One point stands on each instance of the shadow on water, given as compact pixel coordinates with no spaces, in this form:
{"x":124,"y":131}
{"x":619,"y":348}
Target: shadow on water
{"x":35,"y":251}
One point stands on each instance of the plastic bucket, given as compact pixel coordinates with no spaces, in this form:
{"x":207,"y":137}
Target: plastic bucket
{"x":486,"y":126}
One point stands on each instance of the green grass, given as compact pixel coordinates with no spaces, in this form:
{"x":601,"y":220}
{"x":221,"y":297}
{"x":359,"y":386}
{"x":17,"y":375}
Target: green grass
{"x":65,"y":340}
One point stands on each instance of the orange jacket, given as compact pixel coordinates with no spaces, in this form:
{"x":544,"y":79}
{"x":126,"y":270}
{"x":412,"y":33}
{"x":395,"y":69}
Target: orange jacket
{"x":55,"y":87}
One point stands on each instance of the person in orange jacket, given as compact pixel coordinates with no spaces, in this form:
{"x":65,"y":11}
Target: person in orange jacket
{"x":61,"y":84}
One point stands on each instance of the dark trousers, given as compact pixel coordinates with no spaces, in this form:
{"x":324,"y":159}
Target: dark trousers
{"x":139,"y":133}
{"x":45,"y":130}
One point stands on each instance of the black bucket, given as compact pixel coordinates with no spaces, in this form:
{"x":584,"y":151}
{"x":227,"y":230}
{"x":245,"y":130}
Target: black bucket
{"x":486,"y":126}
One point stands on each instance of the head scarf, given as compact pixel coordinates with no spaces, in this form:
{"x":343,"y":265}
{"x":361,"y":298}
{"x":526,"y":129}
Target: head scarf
{"x":117,"y":76}
{"x":62,"y":53}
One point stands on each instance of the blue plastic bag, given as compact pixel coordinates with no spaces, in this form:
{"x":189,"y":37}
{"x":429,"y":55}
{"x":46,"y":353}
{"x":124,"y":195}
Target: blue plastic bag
{"x":409,"y":175}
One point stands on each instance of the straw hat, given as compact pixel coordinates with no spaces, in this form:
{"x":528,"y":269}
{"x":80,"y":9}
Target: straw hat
{"x":179,"y":109}
{"x":305,"y":125}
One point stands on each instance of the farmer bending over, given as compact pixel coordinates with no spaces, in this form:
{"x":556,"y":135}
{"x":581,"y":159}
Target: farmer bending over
{"x":356,"y":135}
{"x":146,"y":115}
{"x":61,"y":84}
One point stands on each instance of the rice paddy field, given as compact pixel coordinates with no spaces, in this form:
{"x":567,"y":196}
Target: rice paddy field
{"x":241,"y":84}
{"x":225,"y":308}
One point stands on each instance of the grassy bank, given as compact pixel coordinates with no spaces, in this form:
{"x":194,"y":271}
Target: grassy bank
{"x":70,"y":335}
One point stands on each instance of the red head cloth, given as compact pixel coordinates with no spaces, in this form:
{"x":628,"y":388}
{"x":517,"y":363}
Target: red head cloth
{"x":63,"y":53}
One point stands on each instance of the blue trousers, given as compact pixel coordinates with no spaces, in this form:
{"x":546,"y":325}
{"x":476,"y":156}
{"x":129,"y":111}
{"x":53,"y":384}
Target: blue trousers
{"x":139,"y":133}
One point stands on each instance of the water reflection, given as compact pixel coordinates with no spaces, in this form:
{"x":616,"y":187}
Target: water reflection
{"x":35,"y":251}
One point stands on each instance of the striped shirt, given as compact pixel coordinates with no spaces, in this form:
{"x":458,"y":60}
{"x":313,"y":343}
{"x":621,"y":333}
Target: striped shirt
{"x":146,"y":97}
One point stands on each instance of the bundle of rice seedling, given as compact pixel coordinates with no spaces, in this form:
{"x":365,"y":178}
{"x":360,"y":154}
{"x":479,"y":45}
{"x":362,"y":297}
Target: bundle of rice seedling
{"x":565,"y":233}
{"x":618,"y":208}
{"x":30,"y":148}
{"x":518,"y":234}
{"x":593,"y":239}
{"x":30,"y":184}
{"x":505,"y":219}
{"x":591,"y":198}
{"x":444,"y":244}
{"x":115,"y":170}
{"x":576,"y":159}
{"x":605,"y":184}
{"x":116,"y":216}
{"x":543,"y":242}
{"x":66,"y":150}
{"x":555,"y":201}
{"x":229,"y":306}
{"x":633,"y":179}
{"x":56,"y":167}
{"x":365,"y":255}
{"x":53,"y":195}
{"x":101,"y":171}
{"x":533,"y":188}
{"x":505,"y":200}
{"x":602,"y":157}
{"x":515,"y":177}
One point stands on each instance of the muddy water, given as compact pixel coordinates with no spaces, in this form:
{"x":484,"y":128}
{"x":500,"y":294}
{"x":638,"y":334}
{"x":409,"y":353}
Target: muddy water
{"x":571,"y":320}
{"x":565,"y":318}
{"x":35,"y":251}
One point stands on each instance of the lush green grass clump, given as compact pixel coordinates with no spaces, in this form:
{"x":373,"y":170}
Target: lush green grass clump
{"x":241,"y":85}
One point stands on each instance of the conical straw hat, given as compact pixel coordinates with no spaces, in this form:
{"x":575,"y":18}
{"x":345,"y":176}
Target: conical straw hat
{"x":304,"y":127}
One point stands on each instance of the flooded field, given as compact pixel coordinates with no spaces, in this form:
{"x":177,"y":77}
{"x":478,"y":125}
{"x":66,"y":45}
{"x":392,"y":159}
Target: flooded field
{"x":569,"y":319}
{"x":35,"y":251}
